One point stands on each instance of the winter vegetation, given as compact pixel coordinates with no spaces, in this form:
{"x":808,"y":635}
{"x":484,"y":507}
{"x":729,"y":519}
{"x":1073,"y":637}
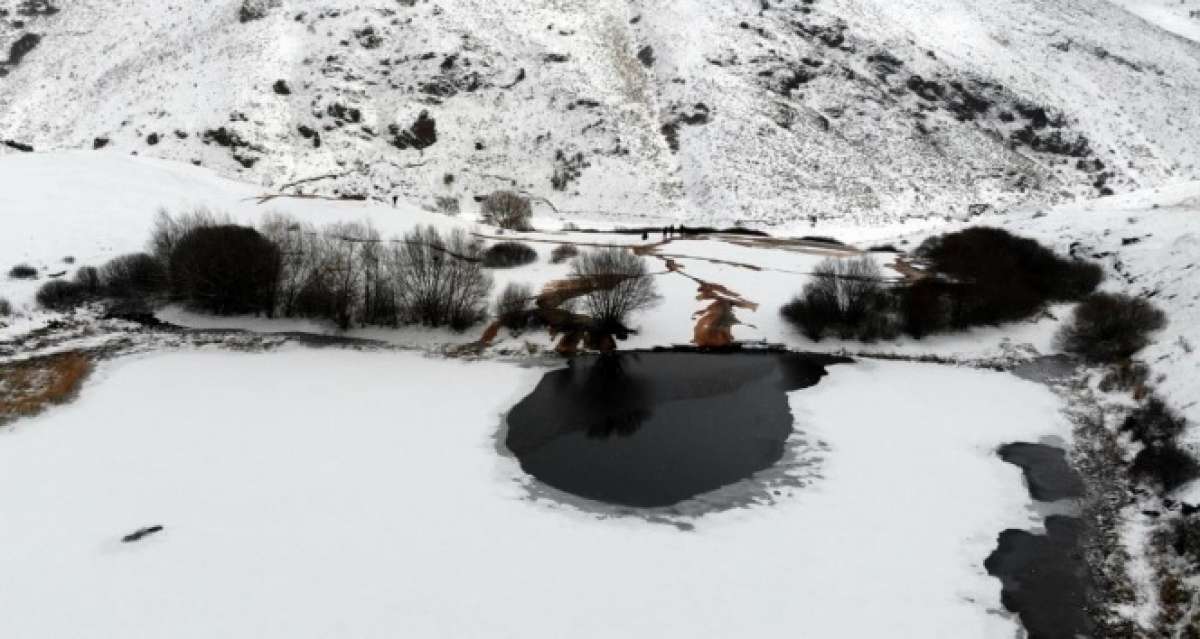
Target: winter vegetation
{"x":321,"y":257}
{"x":513,"y":305}
{"x":979,"y":276}
{"x":22,"y":272}
{"x":619,"y":284}
{"x":563,"y":253}
{"x":846,"y":298}
{"x":507,"y":210}
{"x":508,"y":254}
{"x":1110,"y":327}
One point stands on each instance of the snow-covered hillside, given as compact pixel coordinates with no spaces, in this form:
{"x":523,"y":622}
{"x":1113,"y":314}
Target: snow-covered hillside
{"x":751,"y":111}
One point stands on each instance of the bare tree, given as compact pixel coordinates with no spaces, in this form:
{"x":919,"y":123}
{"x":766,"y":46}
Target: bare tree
{"x":513,"y":305}
{"x":168,"y":230}
{"x":507,"y":210}
{"x":620,"y":284}
{"x":438,"y":279}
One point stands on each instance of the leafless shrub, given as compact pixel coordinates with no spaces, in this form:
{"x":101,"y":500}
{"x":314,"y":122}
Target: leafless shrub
{"x":846,"y":297}
{"x":168,"y":230}
{"x":507,"y":210}
{"x":563,"y":252}
{"x":133,"y":275}
{"x":301,"y":255}
{"x":350,"y":249}
{"x":438,"y":280}
{"x":60,"y":295}
{"x":1109,"y":327}
{"x":88,"y":279}
{"x":513,"y":305}
{"x":623,"y":284}
{"x":447,"y":205}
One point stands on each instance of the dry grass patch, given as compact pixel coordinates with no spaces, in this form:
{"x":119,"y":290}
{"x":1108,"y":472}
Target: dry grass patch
{"x":28,"y":387}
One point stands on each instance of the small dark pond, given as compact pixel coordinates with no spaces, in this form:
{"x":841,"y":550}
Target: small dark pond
{"x":1044,"y":577}
{"x":651,"y":429}
{"x":1047,"y":472}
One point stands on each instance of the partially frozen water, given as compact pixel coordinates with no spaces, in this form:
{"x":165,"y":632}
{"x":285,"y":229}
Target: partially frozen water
{"x":651,"y":429}
{"x":1044,"y":576}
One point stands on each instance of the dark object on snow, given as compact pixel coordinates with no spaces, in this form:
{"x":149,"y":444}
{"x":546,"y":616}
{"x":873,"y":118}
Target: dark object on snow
{"x":140,"y":533}
{"x":13,"y":144}
{"x":23,"y":272}
{"x":421,"y":135}
{"x":23,"y":45}
{"x":281,"y":88}
{"x":508,"y":254}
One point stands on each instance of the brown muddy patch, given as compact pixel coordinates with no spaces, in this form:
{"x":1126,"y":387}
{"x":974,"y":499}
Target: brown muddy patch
{"x":28,"y":387}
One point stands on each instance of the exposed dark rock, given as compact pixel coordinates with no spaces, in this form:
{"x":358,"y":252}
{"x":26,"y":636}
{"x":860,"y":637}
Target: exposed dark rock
{"x":422,"y":134}
{"x":23,"y":45}
{"x":281,"y":88}
{"x":646,"y":56}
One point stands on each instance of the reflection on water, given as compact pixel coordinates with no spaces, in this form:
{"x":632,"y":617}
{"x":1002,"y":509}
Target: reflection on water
{"x":651,"y":429}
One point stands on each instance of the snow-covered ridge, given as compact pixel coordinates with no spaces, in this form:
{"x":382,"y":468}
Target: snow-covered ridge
{"x":766,"y":113}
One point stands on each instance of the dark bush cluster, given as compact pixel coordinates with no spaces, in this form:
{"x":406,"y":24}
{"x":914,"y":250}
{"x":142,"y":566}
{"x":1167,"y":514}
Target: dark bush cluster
{"x":1110,"y":327}
{"x":978,"y":276}
{"x":225,"y":269}
{"x":60,"y":295}
{"x":507,"y":210}
{"x":88,"y":279}
{"x":508,"y":254}
{"x":845,"y":298}
{"x":135,"y":275}
{"x":1167,"y":466}
{"x":563,"y":252}
{"x":5,"y":307}
{"x":988,"y":275}
{"x":1161,"y":461}
{"x":1185,"y":538}
{"x":1154,"y":423}
{"x":23,"y":272}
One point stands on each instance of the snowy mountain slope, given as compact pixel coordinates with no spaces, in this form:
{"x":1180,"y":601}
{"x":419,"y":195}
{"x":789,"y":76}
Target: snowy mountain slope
{"x":1181,"y":17}
{"x":766,"y":113}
